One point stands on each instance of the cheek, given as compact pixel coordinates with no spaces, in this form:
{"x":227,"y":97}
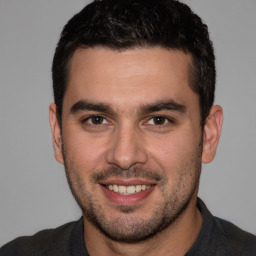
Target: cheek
{"x":172,"y":154}
{"x":85,"y":152}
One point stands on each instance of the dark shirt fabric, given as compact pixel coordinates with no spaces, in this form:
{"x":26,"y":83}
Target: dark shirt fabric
{"x":217,"y":237}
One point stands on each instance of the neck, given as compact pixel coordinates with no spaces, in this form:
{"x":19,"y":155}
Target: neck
{"x":177,"y":239}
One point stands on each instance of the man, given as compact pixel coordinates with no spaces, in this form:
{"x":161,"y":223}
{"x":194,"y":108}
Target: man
{"x":133,"y":120}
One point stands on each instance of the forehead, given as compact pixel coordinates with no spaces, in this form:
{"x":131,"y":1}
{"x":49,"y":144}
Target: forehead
{"x":135,"y":76}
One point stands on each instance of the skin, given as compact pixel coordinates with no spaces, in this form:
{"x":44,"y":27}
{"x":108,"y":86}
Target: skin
{"x":132,"y":143}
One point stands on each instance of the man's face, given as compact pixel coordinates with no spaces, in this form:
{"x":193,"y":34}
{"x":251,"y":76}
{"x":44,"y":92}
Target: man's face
{"x":131,"y":139}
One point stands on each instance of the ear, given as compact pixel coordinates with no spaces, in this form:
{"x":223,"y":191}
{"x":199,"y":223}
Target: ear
{"x":56,"y":133}
{"x":211,"y":133}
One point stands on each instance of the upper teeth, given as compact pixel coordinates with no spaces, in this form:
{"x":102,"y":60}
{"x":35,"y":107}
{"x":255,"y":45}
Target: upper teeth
{"x":127,"y":190}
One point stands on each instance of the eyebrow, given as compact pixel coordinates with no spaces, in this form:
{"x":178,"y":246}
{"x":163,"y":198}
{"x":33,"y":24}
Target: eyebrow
{"x":163,"y":105}
{"x":85,"y":105}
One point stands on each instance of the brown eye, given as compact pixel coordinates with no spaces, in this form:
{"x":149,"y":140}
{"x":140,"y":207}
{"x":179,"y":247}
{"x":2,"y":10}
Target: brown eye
{"x":159,"y":120}
{"x":96,"y":120}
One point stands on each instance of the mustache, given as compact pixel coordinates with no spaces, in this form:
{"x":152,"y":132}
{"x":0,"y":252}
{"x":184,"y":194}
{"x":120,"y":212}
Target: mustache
{"x":134,"y":172}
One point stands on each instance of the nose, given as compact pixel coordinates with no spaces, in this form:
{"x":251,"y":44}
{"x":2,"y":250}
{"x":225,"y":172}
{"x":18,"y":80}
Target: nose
{"x":126,"y":148}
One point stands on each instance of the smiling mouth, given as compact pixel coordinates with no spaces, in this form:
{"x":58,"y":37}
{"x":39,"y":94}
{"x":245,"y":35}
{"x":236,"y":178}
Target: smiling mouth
{"x":127,"y":190}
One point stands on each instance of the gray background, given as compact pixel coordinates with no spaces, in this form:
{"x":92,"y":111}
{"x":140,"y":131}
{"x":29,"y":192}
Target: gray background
{"x":33,"y":190}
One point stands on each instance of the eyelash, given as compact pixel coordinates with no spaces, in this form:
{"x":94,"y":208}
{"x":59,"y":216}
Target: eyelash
{"x":86,"y":120}
{"x":167,"y":120}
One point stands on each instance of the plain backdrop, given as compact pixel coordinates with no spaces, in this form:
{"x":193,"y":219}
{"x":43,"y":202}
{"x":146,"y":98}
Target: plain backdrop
{"x":34,"y":194}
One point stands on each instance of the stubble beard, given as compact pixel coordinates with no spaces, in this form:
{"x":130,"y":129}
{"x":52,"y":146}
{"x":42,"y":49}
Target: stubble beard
{"x":127,"y":227}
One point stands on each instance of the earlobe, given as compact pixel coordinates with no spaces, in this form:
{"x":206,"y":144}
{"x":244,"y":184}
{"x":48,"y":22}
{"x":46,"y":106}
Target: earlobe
{"x":211,"y":133}
{"x":56,"y":133}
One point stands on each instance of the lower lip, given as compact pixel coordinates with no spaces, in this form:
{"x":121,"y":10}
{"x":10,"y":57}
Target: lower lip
{"x":126,"y":199}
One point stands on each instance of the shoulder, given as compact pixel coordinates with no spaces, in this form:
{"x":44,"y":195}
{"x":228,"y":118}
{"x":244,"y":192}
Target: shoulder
{"x":241,"y":241}
{"x":39,"y":243}
{"x":220,"y":237}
